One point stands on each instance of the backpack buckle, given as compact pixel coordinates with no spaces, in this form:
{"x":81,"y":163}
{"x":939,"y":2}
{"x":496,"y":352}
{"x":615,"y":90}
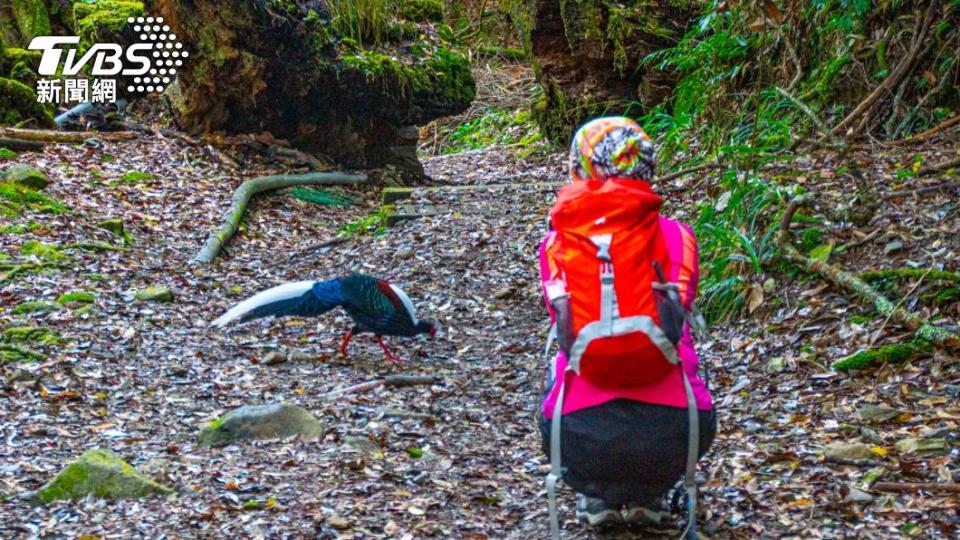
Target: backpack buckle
{"x":602,"y":241}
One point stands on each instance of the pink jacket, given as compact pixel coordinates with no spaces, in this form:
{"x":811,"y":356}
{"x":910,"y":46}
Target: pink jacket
{"x":580,"y":394}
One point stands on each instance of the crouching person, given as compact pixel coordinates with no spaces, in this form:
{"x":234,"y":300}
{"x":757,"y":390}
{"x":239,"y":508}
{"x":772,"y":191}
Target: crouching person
{"x":620,"y":280}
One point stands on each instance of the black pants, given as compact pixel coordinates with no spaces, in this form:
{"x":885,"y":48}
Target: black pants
{"x":626,"y":451}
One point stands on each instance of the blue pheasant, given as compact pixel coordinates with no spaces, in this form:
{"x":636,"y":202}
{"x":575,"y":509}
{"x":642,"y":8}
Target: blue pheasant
{"x":375,"y":305}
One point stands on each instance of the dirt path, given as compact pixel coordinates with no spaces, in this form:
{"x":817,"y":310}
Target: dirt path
{"x":141,"y":379}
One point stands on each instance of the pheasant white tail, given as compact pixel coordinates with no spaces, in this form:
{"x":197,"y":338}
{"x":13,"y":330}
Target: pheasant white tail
{"x":265,"y":303}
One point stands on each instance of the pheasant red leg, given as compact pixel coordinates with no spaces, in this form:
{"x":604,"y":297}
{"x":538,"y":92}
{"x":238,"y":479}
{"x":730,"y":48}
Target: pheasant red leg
{"x":345,"y":342}
{"x":390,"y":356}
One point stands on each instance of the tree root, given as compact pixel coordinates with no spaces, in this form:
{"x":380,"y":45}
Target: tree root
{"x":885,"y":354}
{"x":50,"y":136}
{"x":243,"y":194}
{"x":922,"y":328}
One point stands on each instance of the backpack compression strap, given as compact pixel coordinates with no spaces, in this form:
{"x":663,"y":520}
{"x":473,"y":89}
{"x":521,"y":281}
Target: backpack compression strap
{"x":693,"y":451}
{"x":556,"y":469}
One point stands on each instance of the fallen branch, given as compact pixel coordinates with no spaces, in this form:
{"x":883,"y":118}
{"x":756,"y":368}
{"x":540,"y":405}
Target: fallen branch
{"x":310,"y":249}
{"x":935,"y":130}
{"x":854,"y":462}
{"x":938,"y":167}
{"x":914,"y":487}
{"x":918,"y":191}
{"x":886,"y":354}
{"x":20,"y":145}
{"x":903,"y":68}
{"x":682,"y":172}
{"x":921,"y":327}
{"x":910,"y":273}
{"x":72,"y":137}
{"x":243,"y":194}
{"x":389,"y":380}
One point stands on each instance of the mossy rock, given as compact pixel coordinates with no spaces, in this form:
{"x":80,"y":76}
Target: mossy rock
{"x":251,"y":422}
{"x":26,"y":335}
{"x":7,"y":154}
{"x":102,"y":474}
{"x":26,"y":176}
{"x":14,"y":56}
{"x":422,"y":10}
{"x":154,"y":294}
{"x":76,"y":299}
{"x":43,"y":251}
{"x":393,"y":194}
{"x":18,"y":102}
{"x":892,"y":354}
{"x":104,"y":20}
{"x":115,"y":227}
{"x":17,"y":353}
{"x":30,"y":307}
{"x":15,"y":199}
{"x":31,"y":18}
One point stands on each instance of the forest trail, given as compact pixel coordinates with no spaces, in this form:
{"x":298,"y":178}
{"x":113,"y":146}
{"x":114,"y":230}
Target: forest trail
{"x":143,"y":378}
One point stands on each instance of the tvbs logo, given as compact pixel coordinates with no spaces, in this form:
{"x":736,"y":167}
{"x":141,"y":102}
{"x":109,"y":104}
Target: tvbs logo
{"x":152,"y":61}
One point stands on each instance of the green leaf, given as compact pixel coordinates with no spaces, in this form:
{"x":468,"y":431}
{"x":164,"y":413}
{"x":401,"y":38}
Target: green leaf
{"x":821,"y":253}
{"x":415,"y":452}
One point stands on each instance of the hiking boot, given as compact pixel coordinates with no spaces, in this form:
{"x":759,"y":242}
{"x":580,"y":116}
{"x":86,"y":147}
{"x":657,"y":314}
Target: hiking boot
{"x":596,"y":513}
{"x":636,"y":514}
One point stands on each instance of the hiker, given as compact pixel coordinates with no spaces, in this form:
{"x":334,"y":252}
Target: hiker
{"x":620,"y":280}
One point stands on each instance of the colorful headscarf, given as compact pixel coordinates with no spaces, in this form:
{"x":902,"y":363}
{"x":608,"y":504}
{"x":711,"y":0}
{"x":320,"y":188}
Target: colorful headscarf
{"x":611,"y":147}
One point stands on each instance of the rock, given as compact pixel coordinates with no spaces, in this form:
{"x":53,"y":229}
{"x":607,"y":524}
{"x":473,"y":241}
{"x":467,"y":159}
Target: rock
{"x":404,"y":253}
{"x":25,"y":308}
{"x":857,"y":496}
{"x":775,"y":365}
{"x":26,"y":176}
{"x":892,"y":247}
{"x":769,"y":285}
{"x":921,"y":446}
{"x":273,"y":358}
{"x":338,"y":522}
{"x":506,"y":292}
{"x":299,"y":356}
{"x":100,"y":473}
{"x":76,"y":298}
{"x":155,"y":294}
{"x":842,"y":450}
{"x":273,"y":421}
{"x":364,"y":445}
{"x":115,"y":227}
{"x":877,"y":414}
{"x":18,"y":102}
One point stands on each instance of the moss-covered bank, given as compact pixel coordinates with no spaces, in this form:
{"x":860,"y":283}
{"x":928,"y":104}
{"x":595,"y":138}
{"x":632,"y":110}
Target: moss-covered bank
{"x":287,"y":70}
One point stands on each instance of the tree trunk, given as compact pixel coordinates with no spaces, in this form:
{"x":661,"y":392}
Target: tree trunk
{"x":587,"y":56}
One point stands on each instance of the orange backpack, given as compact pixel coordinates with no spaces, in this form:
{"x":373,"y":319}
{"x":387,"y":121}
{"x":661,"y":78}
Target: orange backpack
{"x":610,"y":251}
